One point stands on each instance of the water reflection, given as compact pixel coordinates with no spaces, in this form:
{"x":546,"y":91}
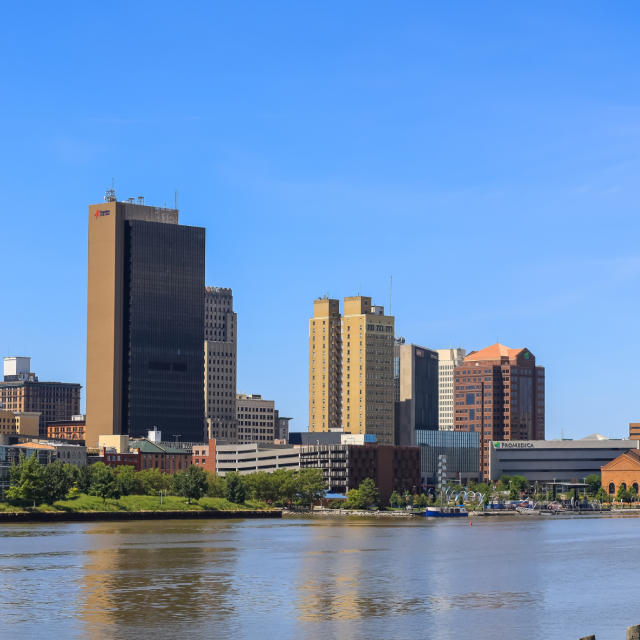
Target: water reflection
{"x":307,"y":578}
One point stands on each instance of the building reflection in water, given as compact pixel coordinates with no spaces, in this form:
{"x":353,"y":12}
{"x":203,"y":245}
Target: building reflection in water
{"x":149,"y":577}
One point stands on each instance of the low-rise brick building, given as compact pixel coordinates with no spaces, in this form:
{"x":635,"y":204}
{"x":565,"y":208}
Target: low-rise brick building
{"x":622,"y":471}
{"x":345,"y":466}
{"x":144,"y":454}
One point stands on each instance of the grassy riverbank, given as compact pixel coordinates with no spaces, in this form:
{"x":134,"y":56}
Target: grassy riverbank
{"x":84,"y":503}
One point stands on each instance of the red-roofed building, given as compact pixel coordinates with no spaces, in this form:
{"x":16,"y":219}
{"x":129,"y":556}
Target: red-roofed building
{"x":500,"y":393}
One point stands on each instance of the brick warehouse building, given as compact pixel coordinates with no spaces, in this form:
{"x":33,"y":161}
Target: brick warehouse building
{"x":500,"y":394}
{"x":345,"y":466}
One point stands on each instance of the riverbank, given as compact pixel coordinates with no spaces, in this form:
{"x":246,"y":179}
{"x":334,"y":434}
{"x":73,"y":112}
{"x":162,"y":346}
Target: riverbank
{"x":83,"y":503}
{"x":110,"y":516}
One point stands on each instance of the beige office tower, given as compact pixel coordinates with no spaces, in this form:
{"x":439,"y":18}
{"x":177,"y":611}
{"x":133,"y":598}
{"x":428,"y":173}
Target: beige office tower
{"x":144,"y":322}
{"x":367,"y":369}
{"x":220,"y":364}
{"x":448,"y":360}
{"x":325,"y":366}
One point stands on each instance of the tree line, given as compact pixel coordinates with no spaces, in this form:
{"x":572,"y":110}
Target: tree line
{"x":32,"y":482}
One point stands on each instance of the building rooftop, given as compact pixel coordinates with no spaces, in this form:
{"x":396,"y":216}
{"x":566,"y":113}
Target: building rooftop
{"x":496,"y":351}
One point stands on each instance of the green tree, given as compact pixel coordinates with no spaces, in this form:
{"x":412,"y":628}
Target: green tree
{"x":84,"y":478}
{"x":353,"y":499}
{"x":153,"y":481}
{"x":234,"y":490}
{"x":311,"y":486}
{"x":593,"y":482}
{"x":103,"y":482}
{"x":58,"y":480}
{"x":215,"y":485}
{"x":368,"y":494}
{"x":519,"y":484}
{"x":394,"y":499}
{"x":128,"y":481}
{"x":194,"y":484}
{"x":27,"y":480}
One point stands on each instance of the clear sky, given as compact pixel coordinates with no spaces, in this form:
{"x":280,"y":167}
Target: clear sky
{"x":485,"y":154}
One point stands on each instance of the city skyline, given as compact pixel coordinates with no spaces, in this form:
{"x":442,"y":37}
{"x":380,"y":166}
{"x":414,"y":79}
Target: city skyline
{"x":486,"y":153}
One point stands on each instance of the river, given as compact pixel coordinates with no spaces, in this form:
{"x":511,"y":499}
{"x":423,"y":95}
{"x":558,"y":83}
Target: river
{"x":535,"y":578}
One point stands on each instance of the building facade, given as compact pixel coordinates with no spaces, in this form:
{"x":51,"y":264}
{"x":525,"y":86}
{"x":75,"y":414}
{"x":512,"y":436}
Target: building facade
{"x":73,"y":429}
{"x":255,"y":418}
{"x":500,"y":394}
{"x":555,"y":460}
{"x":351,"y":368}
{"x":220,"y":353}
{"x":345,"y":466}
{"x":416,"y":392}
{"x":21,"y":391}
{"x":448,"y":360}
{"x":622,"y":472}
{"x":325,"y":366}
{"x":281,"y":427}
{"x":145,"y":316}
{"x":462,"y":451}
{"x":249,"y":458}
{"x":19,"y":423}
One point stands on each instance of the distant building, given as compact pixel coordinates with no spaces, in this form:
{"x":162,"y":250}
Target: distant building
{"x":19,"y":423}
{"x":555,"y":460}
{"x":500,"y":394}
{"x":416,"y":392}
{"x":142,"y":454}
{"x":21,"y":391}
{"x":204,"y":456}
{"x":281,"y":426}
{"x":623,"y":471}
{"x":346,"y":466}
{"x":10,"y":454}
{"x":249,"y":458}
{"x":255,"y":418}
{"x":145,"y":317}
{"x":351,"y":368}
{"x":462,"y":450}
{"x":220,"y":366}
{"x":73,"y":429}
{"x":308,"y":438}
{"x":448,"y":360}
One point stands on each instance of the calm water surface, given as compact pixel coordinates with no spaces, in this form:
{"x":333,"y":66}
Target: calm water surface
{"x":500,"y":579}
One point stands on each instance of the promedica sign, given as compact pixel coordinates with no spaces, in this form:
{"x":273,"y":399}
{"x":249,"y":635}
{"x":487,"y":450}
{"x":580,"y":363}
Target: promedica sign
{"x":514,"y":445}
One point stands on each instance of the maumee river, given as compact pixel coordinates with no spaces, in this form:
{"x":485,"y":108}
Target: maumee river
{"x":521,"y":577}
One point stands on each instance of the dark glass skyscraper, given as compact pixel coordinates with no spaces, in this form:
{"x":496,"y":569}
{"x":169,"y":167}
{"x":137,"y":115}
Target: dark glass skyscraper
{"x":163,"y":352}
{"x":145,"y":357}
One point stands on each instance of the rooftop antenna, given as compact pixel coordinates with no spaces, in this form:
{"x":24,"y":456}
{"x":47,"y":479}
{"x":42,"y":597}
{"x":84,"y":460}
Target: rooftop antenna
{"x":176,"y":198}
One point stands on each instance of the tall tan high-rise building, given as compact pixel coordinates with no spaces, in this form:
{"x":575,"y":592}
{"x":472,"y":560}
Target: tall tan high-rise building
{"x":325,"y":366}
{"x":351,"y":368}
{"x":145,"y":316}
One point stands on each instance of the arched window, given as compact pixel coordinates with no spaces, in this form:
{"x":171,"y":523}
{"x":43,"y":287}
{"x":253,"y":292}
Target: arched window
{"x":612,"y":488}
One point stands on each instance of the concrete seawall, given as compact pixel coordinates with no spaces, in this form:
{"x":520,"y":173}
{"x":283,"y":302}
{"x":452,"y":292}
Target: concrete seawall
{"x":94,"y":516}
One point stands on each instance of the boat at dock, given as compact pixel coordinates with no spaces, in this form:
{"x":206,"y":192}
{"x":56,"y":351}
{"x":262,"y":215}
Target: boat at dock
{"x":446,"y":512}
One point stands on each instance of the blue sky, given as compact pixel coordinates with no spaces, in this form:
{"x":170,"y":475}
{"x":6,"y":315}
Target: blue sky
{"x":485,"y":154}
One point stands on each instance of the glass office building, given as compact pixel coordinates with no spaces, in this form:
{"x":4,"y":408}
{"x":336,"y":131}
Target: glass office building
{"x":145,"y":314}
{"x":462,"y":449}
{"x":163,"y":359}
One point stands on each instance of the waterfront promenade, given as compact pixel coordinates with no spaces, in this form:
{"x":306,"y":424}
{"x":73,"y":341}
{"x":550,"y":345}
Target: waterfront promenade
{"x":558,"y":578}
